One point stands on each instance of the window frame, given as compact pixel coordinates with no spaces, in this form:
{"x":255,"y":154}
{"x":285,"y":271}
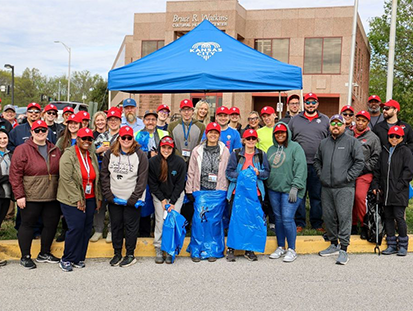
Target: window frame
{"x":272,"y":39}
{"x":157,"y":45}
{"x":322,"y":56}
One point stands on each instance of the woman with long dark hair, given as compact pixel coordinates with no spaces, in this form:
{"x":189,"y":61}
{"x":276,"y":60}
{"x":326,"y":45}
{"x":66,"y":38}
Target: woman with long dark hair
{"x":167,"y":173}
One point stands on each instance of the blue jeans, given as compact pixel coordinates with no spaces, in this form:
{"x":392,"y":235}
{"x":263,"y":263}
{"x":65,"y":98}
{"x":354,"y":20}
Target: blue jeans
{"x":284,"y":217}
{"x":314,"y":193}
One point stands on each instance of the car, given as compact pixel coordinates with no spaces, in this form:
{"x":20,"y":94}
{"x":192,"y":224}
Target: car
{"x":62,"y":104}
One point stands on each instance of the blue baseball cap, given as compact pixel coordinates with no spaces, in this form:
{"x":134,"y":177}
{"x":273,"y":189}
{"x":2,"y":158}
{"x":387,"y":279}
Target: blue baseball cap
{"x":338,"y":117}
{"x":129,"y":102}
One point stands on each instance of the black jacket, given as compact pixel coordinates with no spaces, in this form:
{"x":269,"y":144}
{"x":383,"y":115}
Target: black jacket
{"x":382,"y":128}
{"x":5,"y":125}
{"x":393,"y":179}
{"x":175,"y":183}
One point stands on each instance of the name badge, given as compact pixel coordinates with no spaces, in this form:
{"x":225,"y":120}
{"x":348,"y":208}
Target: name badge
{"x":186,"y":153}
{"x":88,"y":188}
{"x":212,"y":177}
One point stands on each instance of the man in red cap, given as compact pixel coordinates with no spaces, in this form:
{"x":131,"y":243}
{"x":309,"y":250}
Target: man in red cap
{"x":186,"y":131}
{"x":234,"y":117}
{"x":229,"y":136}
{"x":293,"y":105}
{"x":163,"y":114}
{"x":308,"y":128}
{"x":371,"y":149}
{"x":50,"y":117}
{"x":373,"y":105}
{"x":390,"y":112}
{"x":265,"y":133}
{"x":348,"y":114}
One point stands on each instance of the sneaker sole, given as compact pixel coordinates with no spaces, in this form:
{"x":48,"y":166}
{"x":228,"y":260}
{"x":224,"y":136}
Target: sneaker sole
{"x":115,"y":264}
{"x":129,"y":264}
{"x":329,"y":254}
{"x":231,"y":260}
{"x":159,"y":262}
{"x":29,"y":268}
{"x":274,"y":257}
{"x":342,"y":262}
{"x":289,"y":260}
{"x":46,"y":261}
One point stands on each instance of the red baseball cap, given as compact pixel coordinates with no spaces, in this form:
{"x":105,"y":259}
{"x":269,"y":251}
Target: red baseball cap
{"x":391,"y":103}
{"x":363,"y":113}
{"x":222,"y":110}
{"x":250,"y":133}
{"x":374,"y":97}
{"x":167,"y":141}
{"x":114,"y":112}
{"x":310,"y":96}
{"x":85,"y":132}
{"x":84,"y":115}
{"x":125,"y":131}
{"x":398,"y":130}
{"x":74,"y":118}
{"x":292,"y":96}
{"x":39,"y":123}
{"x":213,"y":126}
{"x":68,"y":109}
{"x":280,"y":128}
{"x":51,"y":107}
{"x":347,"y":107}
{"x":163,"y":106}
{"x":234,"y":110}
{"x":186,"y":103}
{"x":34,"y":105}
{"x":267,"y":110}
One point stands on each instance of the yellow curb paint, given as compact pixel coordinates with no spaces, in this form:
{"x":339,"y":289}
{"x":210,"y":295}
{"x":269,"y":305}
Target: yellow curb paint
{"x":9,"y":249}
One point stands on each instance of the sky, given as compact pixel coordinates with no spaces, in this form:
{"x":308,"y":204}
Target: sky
{"x":94,"y":30}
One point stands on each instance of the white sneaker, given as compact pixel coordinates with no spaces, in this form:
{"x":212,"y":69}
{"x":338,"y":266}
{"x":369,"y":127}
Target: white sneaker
{"x":96,"y":237}
{"x":278,"y":253}
{"x":290,"y":256}
{"x":109,"y":237}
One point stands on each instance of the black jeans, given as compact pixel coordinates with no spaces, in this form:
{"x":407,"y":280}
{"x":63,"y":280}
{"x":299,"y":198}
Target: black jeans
{"x":124,"y":223}
{"x":49,"y":213}
{"x":4,"y":207}
{"x":392,"y":213}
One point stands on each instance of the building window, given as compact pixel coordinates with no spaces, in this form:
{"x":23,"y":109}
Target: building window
{"x":322,"y":55}
{"x":149,"y":47}
{"x":276,"y":48}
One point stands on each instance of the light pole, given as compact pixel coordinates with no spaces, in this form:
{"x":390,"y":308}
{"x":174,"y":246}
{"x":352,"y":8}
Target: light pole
{"x":70,"y":56}
{"x":12,"y":81}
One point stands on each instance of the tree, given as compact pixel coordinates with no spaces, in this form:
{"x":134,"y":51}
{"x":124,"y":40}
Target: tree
{"x":403,"y":64}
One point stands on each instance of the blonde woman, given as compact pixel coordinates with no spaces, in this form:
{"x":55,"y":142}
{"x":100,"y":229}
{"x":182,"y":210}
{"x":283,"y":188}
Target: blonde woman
{"x":201,"y":112}
{"x":100,"y":124}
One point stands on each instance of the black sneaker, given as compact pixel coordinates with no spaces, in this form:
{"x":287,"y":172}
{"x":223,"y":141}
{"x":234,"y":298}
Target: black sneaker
{"x":196,"y":259}
{"x":127,"y":261}
{"x":79,"y":265}
{"x":61,"y":237}
{"x":212,"y":259}
{"x":27,"y":262}
{"x":115,"y":261}
{"x":230,"y":255}
{"x":47,"y":258}
{"x":250,"y":256}
{"x":3,"y":263}
{"x":168,"y":259}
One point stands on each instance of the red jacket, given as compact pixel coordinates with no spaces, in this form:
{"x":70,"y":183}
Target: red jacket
{"x":31,"y":177}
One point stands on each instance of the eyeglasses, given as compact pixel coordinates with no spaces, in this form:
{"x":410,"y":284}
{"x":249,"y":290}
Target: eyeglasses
{"x":252,"y":119}
{"x":387,"y":108}
{"x":311,"y":103}
{"x":41,"y":129}
{"x":348,"y":114}
{"x":90,"y":139}
{"x":251,"y":138}
{"x":334,"y":123}
{"x":33,"y":111}
{"x":126,"y":137}
{"x":395,"y":136}
{"x":163,"y":112}
{"x":52,"y":113}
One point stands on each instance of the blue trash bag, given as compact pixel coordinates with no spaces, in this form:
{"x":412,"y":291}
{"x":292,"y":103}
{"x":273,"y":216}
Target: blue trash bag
{"x":148,"y":207}
{"x":247,"y":228}
{"x":410,"y":191}
{"x":207,"y":234}
{"x":173,"y":233}
{"x":142,"y":138}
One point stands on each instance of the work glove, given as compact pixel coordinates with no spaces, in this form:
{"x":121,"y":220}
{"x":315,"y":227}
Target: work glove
{"x":292,"y":197}
{"x":119,"y":201}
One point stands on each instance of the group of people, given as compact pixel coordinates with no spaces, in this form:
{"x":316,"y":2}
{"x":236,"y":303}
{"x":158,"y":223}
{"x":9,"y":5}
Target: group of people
{"x":78,"y":169}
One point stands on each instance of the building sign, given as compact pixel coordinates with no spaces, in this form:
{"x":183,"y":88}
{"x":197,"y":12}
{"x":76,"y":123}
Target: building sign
{"x":195,"y":19}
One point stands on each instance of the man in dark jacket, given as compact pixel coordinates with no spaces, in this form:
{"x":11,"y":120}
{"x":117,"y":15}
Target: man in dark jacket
{"x":390,"y":111}
{"x":293,"y":104}
{"x":338,"y":162}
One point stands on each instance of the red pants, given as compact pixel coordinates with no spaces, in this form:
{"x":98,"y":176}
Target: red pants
{"x":360,"y":204}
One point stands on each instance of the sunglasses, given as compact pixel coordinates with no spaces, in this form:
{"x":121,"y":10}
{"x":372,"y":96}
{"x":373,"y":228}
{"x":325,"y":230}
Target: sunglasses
{"x":311,"y":103}
{"x":252,"y":119}
{"x":38,"y":130}
{"x":167,"y":140}
{"x":52,"y":113}
{"x":334,"y":123}
{"x":126,"y":137}
{"x":89,"y":139}
{"x":33,"y":111}
{"x":395,"y":136}
{"x":348,"y":114}
{"x":251,"y":138}
{"x":387,"y":108}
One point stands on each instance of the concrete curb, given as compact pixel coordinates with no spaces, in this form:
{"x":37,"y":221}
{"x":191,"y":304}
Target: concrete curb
{"x":9,"y":249}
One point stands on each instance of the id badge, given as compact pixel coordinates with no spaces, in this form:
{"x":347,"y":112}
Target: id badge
{"x":88,"y":189}
{"x":212,"y":177}
{"x":186,"y":153}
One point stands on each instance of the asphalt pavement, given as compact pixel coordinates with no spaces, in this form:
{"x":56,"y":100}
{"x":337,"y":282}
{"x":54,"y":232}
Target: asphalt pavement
{"x":367,"y":282}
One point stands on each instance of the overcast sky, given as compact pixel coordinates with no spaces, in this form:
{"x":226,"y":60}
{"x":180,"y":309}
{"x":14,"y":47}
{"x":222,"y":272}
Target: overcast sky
{"x":95,"y":29}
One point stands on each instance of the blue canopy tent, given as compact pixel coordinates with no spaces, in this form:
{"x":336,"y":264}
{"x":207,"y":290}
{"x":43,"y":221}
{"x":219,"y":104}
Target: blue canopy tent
{"x":205,"y":60}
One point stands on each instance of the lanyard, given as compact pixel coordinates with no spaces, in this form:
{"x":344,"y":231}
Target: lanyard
{"x":85,"y":164}
{"x":186,"y":134}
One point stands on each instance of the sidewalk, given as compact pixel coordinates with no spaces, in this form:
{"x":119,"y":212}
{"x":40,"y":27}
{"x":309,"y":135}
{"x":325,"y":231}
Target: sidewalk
{"x":9,"y":249}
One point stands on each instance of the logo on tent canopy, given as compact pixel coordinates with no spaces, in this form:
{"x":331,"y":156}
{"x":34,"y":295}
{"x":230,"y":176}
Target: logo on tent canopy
{"x":205,"y":49}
